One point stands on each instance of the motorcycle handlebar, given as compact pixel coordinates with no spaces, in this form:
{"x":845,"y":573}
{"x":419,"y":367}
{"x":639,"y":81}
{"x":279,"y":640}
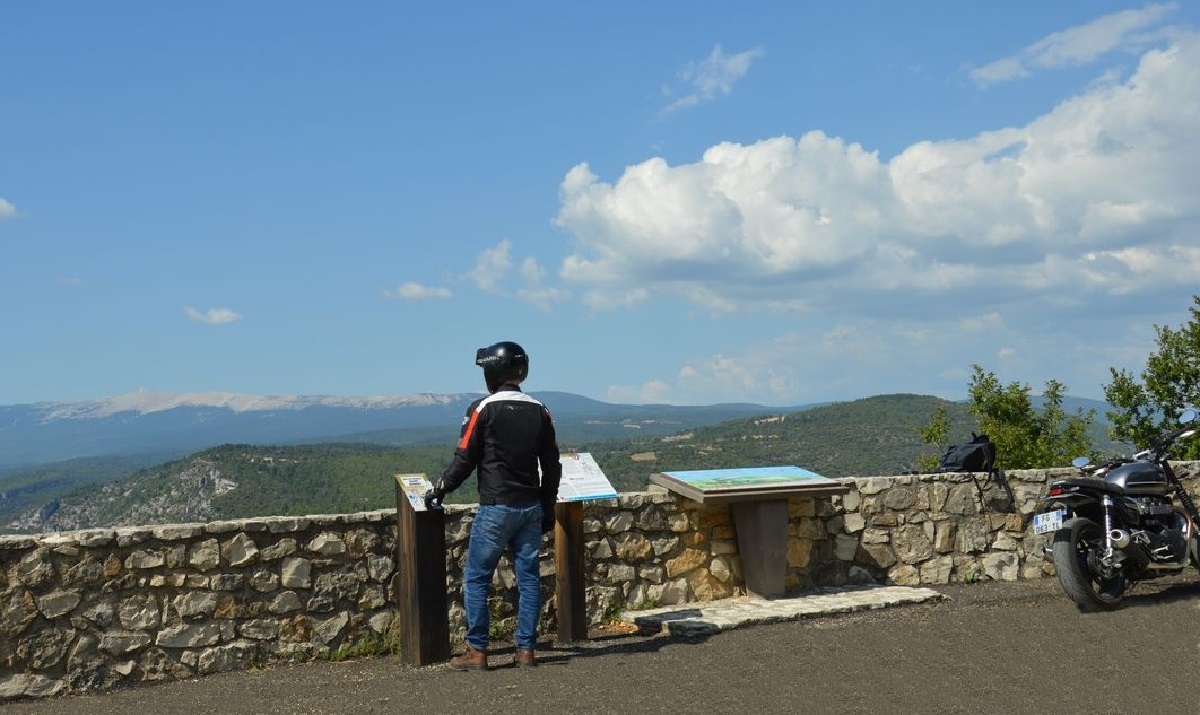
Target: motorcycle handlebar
{"x":1155,"y":453}
{"x":1166,"y":440}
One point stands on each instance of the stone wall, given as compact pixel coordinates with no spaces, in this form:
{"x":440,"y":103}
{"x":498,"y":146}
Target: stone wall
{"x":93,"y":610}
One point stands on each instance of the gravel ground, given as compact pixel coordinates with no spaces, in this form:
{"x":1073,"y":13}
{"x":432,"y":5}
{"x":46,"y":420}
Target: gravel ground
{"x":987,"y":648}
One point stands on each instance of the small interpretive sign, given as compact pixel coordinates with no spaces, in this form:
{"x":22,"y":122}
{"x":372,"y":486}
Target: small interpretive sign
{"x":414,"y":487}
{"x":582,"y":479}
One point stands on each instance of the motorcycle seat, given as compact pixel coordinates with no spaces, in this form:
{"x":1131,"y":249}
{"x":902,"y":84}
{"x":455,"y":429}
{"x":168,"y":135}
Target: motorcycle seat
{"x":1096,"y":484}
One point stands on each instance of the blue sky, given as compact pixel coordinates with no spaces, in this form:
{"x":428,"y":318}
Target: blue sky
{"x":691,"y":203}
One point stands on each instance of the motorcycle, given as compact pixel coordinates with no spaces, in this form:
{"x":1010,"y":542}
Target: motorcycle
{"x":1124,"y":521}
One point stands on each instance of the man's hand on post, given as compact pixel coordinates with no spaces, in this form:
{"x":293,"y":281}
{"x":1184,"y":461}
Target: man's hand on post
{"x":547,"y":517}
{"x":433,"y":499}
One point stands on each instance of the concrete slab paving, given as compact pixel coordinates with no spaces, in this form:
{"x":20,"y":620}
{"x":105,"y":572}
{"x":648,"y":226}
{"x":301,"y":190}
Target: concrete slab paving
{"x":695,"y":619}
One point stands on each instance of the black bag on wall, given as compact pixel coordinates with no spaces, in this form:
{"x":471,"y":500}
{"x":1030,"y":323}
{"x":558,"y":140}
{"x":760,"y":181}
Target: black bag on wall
{"x":978,"y":455}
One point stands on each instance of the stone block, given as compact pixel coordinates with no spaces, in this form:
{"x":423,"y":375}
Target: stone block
{"x":123,"y":642}
{"x":799,"y":552}
{"x":188,"y":636}
{"x":35,"y":568}
{"x":58,"y":603}
{"x":619,"y":522}
{"x":205,"y":555}
{"x":678,"y":522}
{"x":177,"y":532}
{"x":653,"y":574}
{"x":878,"y":554}
{"x":227,"y":582}
{"x":705,"y":587}
{"x":674,"y":592}
{"x":937,"y":570}
{"x":899,"y":498}
{"x":139,"y":612}
{"x":910,"y":544}
{"x":686,"y":561}
{"x":195,"y":604}
{"x":633,"y":546}
{"x":286,"y":602}
{"x":239,"y":550}
{"x":273,"y":552}
{"x":845,"y":547}
{"x":260,"y":629}
{"x":295,"y":572}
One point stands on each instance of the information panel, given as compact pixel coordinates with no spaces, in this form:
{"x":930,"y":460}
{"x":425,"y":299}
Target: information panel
{"x":582,"y":479}
{"x":414,"y":487}
{"x":747,"y":483}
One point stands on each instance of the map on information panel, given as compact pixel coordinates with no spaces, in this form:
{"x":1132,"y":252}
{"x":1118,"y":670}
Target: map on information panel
{"x":749,"y":478}
{"x":749,"y":483}
{"x":582,"y":479}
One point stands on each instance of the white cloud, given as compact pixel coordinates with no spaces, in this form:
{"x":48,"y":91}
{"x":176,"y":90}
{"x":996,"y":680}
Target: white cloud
{"x":416,"y":291}
{"x":533,"y":286}
{"x":491,"y":275}
{"x":879,"y":356}
{"x":1079,"y":45}
{"x":714,"y":76}
{"x":982,"y":323}
{"x":491,"y":267}
{"x":7,"y":210}
{"x":654,"y":391}
{"x":1082,"y":203}
{"x":212,"y":316}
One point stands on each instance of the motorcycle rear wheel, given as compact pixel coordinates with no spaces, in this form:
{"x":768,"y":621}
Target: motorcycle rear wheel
{"x":1076,"y":547}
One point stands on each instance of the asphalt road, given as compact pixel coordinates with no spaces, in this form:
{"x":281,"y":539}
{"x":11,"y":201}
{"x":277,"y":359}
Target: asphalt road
{"x":988,"y":648}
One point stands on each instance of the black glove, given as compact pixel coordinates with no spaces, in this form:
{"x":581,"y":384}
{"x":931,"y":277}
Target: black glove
{"x":547,"y":517}
{"x":433,"y":499}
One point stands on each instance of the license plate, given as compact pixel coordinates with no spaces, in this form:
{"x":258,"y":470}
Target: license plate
{"x":1049,"y":521}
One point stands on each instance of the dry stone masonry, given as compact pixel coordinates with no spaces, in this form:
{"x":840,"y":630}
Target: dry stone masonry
{"x":94,"y":610}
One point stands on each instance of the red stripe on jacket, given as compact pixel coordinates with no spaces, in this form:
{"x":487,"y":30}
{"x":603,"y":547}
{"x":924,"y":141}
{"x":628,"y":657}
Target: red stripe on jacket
{"x":466,"y":436}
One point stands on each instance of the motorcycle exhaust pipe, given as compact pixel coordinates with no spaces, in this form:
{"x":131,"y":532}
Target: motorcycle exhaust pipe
{"x":1119,"y":538}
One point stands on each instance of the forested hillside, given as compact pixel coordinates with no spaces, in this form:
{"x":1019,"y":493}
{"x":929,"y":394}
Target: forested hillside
{"x":235,"y":481}
{"x":877,"y":435}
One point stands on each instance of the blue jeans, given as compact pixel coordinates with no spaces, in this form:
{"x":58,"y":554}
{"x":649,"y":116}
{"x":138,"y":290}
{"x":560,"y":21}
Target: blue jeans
{"x":497,"y":526}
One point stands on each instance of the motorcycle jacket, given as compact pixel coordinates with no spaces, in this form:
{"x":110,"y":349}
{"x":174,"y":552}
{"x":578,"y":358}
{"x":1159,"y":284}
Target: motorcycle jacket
{"x":506,"y":437}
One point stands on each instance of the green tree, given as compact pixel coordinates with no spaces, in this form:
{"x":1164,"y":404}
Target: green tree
{"x":935,"y":433}
{"x":1026,"y":438}
{"x":1170,"y":384}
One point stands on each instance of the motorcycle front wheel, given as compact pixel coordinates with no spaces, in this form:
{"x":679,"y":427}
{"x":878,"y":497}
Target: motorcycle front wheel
{"x":1077,"y":548}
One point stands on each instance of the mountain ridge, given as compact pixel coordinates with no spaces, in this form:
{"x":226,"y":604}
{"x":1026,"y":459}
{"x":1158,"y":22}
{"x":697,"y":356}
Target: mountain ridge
{"x":156,"y":422}
{"x":872,"y":436}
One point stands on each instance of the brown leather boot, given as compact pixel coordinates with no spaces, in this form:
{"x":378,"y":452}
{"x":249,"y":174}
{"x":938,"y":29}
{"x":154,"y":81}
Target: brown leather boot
{"x":470,"y":660}
{"x":524,"y":658}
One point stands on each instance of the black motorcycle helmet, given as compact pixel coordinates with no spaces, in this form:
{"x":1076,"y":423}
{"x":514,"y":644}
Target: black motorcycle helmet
{"x":503,"y":362}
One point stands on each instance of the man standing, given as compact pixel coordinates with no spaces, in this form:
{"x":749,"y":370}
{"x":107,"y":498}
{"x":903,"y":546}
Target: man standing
{"x":505,"y":438}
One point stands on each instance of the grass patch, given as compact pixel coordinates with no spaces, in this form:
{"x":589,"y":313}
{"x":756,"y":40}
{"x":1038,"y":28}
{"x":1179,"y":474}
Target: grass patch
{"x":370,"y":646}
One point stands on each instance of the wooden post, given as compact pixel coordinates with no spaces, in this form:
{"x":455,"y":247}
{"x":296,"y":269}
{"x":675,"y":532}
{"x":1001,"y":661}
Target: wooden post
{"x":762,"y":543}
{"x":570,"y":596}
{"x":421,"y":583}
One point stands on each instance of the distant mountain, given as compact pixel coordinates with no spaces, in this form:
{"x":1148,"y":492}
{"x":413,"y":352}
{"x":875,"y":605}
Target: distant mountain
{"x":50,"y":449}
{"x":156,"y":422}
{"x":149,"y":422}
{"x":872,"y":436}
